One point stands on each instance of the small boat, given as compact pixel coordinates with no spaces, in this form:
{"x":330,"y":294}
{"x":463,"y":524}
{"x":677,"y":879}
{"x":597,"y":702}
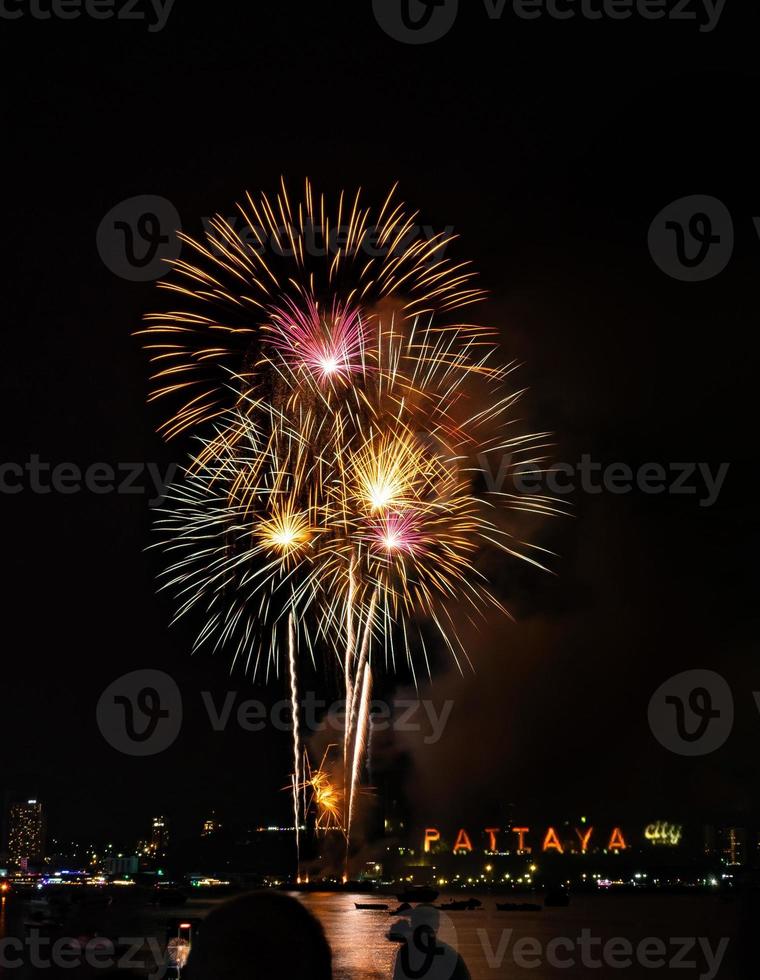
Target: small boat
{"x":371,"y":907}
{"x":469,"y":904}
{"x":418,"y":893}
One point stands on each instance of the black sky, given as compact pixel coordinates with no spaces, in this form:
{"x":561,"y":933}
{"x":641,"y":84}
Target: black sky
{"x":549,"y":147}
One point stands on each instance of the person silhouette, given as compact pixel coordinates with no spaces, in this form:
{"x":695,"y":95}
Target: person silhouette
{"x":261,"y":936}
{"x":422,"y":955}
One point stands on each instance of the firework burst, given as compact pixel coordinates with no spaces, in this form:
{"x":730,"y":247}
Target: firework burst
{"x":297,"y":276}
{"x":324,"y":796}
{"x":337,"y":499}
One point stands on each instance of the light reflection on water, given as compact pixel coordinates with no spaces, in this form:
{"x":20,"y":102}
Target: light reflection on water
{"x":361,"y":951}
{"x":486,"y":938}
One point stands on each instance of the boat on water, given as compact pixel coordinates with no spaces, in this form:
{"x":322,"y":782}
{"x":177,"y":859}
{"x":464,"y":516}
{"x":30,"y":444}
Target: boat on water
{"x":370,"y":907}
{"x":469,"y":904}
{"x":418,"y":893}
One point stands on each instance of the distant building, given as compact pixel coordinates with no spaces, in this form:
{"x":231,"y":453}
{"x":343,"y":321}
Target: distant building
{"x":159,"y":838}
{"x":394,"y":824}
{"x":732,"y":845}
{"x":211,"y":826}
{"x":727,"y":844}
{"x":26,"y":832}
{"x":122,"y":864}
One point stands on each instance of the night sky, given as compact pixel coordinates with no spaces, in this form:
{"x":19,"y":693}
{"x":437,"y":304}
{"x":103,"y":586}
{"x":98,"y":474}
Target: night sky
{"x":550,"y":147}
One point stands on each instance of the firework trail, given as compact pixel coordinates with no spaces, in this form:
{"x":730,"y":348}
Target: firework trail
{"x":360,"y":736}
{"x":358,"y":692}
{"x":347,"y":663}
{"x":296,"y":736}
{"x":334,"y":501}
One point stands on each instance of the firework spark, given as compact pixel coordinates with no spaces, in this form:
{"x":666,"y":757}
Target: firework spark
{"x":325,"y":796}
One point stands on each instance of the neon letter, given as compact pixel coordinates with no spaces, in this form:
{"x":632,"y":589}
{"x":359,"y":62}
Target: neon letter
{"x":617,"y":841}
{"x":521,"y":832}
{"x":551,"y":841}
{"x":584,"y":838}
{"x":492,"y":832}
{"x":463,"y":842}
{"x":431,"y":836}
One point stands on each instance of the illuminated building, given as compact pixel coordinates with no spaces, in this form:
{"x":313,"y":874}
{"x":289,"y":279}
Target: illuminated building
{"x":26,"y":832}
{"x":159,"y":838}
{"x":121,"y":864}
{"x":211,"y":826}
{"x":732,"y":845}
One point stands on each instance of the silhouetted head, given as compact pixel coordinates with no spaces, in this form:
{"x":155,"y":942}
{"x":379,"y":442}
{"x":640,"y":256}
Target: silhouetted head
{"x":425,"y":916}
{"x":262,"y":936}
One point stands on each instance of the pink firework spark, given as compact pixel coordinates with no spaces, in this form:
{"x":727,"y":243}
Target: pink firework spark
{"x":396,"y":532}
{"x":325,"y":345}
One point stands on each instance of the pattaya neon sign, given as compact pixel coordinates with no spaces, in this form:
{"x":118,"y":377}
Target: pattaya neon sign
{"x":549,"y":842}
